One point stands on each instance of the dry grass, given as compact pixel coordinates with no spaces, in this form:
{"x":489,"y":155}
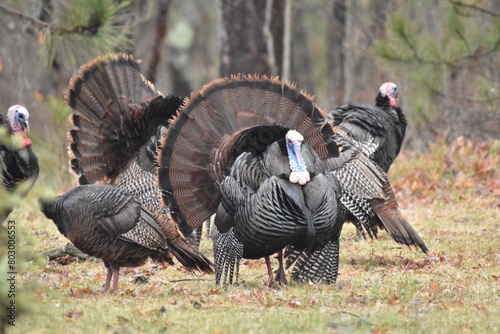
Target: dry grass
{"x":382,"y":287}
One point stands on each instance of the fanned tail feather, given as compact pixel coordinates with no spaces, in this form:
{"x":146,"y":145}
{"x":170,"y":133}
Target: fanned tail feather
{"x":115,"y":111}
{"x":192,"y":167}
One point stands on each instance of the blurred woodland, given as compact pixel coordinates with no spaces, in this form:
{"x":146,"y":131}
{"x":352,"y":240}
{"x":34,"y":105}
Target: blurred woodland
{"x":443,"y":55}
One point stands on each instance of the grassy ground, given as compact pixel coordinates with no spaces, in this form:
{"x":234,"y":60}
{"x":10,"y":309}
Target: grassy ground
{"x":452,"y":198}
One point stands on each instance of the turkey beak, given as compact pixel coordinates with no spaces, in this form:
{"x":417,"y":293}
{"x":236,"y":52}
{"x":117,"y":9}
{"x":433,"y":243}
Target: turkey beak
{"x":26,"y":126}
{"x":394,"y":92}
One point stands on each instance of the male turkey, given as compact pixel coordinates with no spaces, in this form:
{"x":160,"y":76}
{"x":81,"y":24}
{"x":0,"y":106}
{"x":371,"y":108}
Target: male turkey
{"x":377,"y":130}
{"x":116,"y":124}
{"x":271,"y":199}
{"x":237,"y":166}
{"x":117,"y":121}
{"x":18,"y":163}
{"x":245,"y":164}
{"x":367,"y":199}
{"x":109,"y":223}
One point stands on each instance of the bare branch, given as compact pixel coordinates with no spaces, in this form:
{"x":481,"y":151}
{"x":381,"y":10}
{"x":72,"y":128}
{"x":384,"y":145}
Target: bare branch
{"x":24,"y":16}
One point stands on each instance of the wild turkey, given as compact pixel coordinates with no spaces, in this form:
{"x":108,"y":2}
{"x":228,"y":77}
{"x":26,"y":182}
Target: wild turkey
{"x":240,"y":150}
{"x":18,"y":164}
{"x":241,"y":122}
{"x":117,"y":121}
{"x":109,"y":223}
{"x":367,"y":195}
{"x":275,"y":198}
{"x":377,"y":130}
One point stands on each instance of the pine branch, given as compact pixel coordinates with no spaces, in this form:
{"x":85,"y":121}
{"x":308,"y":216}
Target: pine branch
{"x":455,"y":63}
{"x":474,"y":7}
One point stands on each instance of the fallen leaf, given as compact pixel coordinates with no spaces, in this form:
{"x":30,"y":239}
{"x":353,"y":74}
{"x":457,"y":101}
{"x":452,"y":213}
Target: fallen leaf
{"x":294,"y":303}
{"x":41,"y":38}
{"x":73,"y":315}
{"x":122,"y":320}
{"x":481,"y":308}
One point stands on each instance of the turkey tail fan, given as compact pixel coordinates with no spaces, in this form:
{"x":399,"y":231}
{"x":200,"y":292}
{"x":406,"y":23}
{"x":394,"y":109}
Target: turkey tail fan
{"x":115,"y":112}
{"x":394,"y":222}
{"x":194,"y":156}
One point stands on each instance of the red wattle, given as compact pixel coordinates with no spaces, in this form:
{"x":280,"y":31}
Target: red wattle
{"x":27,"y":142}
{"x":392,"y":102}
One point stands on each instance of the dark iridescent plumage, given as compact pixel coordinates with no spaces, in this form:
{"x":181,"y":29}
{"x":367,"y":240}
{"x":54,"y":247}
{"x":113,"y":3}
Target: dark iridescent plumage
{"x":367,"y":132}
{"x":227,"y":168}
{"x":268,"y":212}
{"x":377,"y":130}
{"x":110,"y":223}
{"x":239,"y":167}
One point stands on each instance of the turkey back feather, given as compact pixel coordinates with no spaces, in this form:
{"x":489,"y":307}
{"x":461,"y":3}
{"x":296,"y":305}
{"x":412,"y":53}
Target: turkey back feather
{"x":115,"y":112}
{"x":208,"y":133}
{"x":367,"y":193}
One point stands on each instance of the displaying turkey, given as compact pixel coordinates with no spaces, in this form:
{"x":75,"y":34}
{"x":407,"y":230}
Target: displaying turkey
{"x":117,"y":122}
{"x":245,"y":164}
{"x":18,"y":163}
{"x":109,"y":223}
{"x":238,"y":167}
{"x":377,"y":130}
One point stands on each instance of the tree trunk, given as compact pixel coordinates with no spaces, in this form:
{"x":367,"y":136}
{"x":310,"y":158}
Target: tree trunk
{"x":160,"y":36}
{"x":301,"y":64}
{"x":364,"y":65}
{"x":337,"y":52}
{"x":245,"y":46}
